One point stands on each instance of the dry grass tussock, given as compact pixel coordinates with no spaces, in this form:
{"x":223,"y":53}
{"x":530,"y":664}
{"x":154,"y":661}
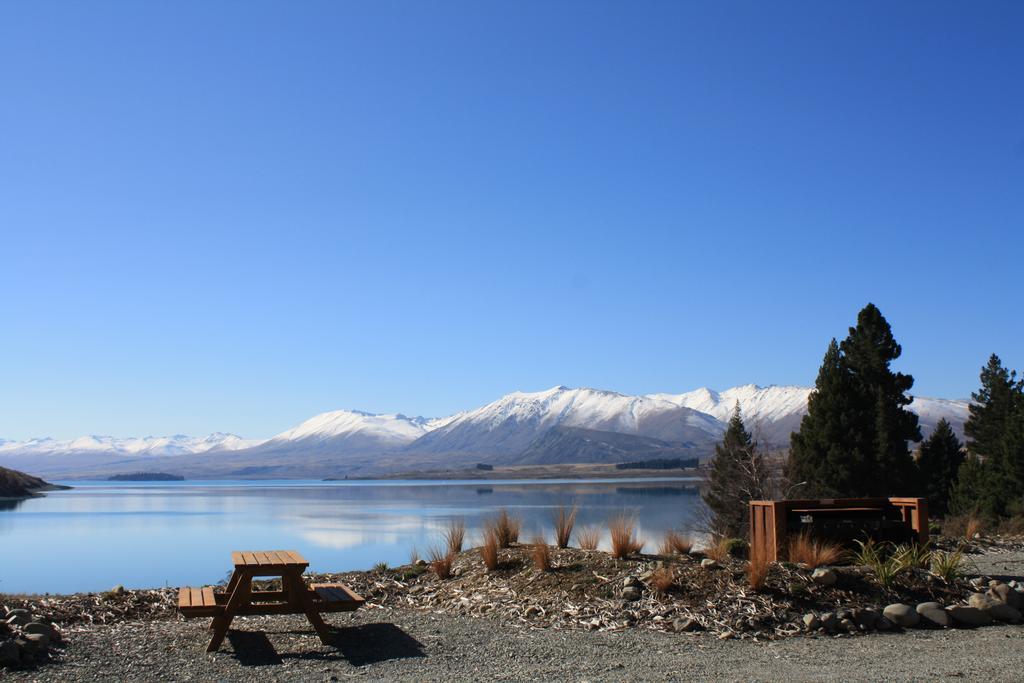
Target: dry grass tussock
{"x":757,"y":568}
{"x":588,"y":538}
{"x":505,"y":528}
{"x":622,"y":530}
{"x":564,"y":519}
{"x":662,"y":580}
{"x":541,"y":554}
{"x":455,"y":535}
{"x":675,"y":543}
{"x":805,"y":550}
{"x":489,"y":550}
{"x":718,"y":550}
{"x":441,"y":562}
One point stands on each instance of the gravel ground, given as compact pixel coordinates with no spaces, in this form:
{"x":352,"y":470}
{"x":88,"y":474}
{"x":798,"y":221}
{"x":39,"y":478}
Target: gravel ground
{"x":411,"y":645}
{"x":399,"y":644}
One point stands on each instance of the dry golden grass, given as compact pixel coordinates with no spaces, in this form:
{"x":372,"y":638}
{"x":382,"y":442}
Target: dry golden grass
{"x":455,"y":535}
{"x":805,"y":550}
{"x":757,"y":568}
{"x":624,"y":542}
{"x":414,"y":555}
{"x":662,"y":580}
{"x":541,"y":554}
{"x":564,"y":519}
{"x":441,"y":562}
{"x":973,"y":526}
{"x":588,"y":537}
{"x":489,"y":550}
{"x":718,"y":550}
{"x":505,"y":528}
{"x":675,"y":543}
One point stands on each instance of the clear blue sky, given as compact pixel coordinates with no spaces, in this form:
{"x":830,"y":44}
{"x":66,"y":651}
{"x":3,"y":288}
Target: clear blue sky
{"x":233,"y":215}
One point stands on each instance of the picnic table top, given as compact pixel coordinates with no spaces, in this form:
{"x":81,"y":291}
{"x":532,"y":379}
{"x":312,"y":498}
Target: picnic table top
{"x":267,"y":559}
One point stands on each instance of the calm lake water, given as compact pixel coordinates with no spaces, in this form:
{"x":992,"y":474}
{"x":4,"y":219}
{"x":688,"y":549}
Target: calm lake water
{"x":141,"y":535}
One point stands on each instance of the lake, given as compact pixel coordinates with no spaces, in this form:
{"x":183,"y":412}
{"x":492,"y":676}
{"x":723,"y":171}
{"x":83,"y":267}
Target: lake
{"x":151,"y":534}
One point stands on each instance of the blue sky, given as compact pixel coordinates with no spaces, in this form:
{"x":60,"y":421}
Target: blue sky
{"x":233,"y":215}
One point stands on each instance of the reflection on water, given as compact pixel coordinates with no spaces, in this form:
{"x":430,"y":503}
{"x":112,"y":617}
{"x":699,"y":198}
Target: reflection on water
{"x":174,"y":533}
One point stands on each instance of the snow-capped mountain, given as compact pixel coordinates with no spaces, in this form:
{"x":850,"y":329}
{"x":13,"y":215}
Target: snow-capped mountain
{"x":554,"y":426}
{"x":509,"y":425}
{"x":178,"y":444}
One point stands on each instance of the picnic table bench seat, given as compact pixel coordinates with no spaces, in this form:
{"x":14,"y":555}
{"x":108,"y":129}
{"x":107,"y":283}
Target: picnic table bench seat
{"x":335,"y":597}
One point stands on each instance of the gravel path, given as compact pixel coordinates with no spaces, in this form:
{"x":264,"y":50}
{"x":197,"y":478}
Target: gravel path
{"x":416,"y":646}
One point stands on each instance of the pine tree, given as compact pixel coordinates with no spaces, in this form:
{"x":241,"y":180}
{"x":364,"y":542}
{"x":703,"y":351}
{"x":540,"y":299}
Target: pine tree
{"x":939,"y":461}
{"x":868,"y":350}
{"x":994,"y":431}
{"x":738,"y":475}
{"x":853,"y":440}
{"x":969,"y":489}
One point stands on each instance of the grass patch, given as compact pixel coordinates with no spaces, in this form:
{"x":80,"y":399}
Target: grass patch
{"x":541,"y":554}
{"x":813,"y":553}
{"x":455,"y":535}
{"x":588,"y":538}
{"x":624,"y":542}
{"x":563,"y":519}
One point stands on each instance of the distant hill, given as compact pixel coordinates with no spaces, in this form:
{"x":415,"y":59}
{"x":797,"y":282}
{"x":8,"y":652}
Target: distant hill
{"x":14,"y":484}
{"x":560,"y":425}
{"x":146,"y":476}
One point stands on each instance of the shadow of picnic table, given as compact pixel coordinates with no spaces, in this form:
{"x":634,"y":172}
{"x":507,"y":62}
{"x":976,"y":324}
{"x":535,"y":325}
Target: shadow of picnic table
{"x":358,"y":645}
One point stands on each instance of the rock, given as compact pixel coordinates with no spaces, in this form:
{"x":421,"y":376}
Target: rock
{"x":37,"y":641}
{"x":38,"y":627}
{"x":934,"y":616}
{"x":631,"y":593}
{"x":883,"y":624}
{"x":829,"y":621}
{"x":812,"y":622}
{"x":902,"y":615}
{"x":726,"y":635}
{"x":1006,"y":594}
{"x":10,"y":653}
{"x":981,"y":601}
{"x":687,"y":625}
{"x":847,"y":625}
{"x":117,"y":590}
{"x":824,"y":576}
{"x":925,"y":606}
{"x":978,"y":581}
{"x":969,"y":617}
{"x":632,"y":581}
{"x":532,"y":611}
{"x":865,"y":618}
{"x":708,"y":563}
{"x":18,"y":617}
{"x":421,"y":563}
{"x":1003,"y":612}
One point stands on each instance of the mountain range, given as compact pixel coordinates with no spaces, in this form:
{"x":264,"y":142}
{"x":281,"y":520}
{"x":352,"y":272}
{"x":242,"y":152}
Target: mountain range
{"x":557,"y":426}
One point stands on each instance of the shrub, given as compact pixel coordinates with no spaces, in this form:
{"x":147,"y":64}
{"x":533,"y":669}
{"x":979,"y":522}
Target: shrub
{"x":588,"y":537}
{"x":623,"y":539}
{"x":541,"y":554}
{"x":718,"y":550}
{"x":380,"y":567}
{"x":757,"y":568}
{"x":967,"y":526}
{"x":441,"y":562}
{"x":737,"y":547}
{"x":454,"y":535}
{"x":912,"y":556}
{"x":948,"y":566}
{"x":804,"y":549}
{"x":662,"y":580}
{"x":973,"y":526}
{"x":885,"y":565}
{"x":675,"y":543}
{"x":564,"y":519}
{"x":489,"y":550}
{"x":505,"y":527}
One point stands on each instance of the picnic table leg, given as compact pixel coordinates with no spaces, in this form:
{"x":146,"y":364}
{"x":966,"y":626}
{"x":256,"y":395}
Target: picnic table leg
{"x":239,"y":596}
{"x":301,"y":600}
{"x":236,"y":576}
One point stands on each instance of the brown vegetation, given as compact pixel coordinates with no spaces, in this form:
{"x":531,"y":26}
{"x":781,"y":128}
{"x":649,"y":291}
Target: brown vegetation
{"x":757,"y":568}
{"x":441,"y":562}
{"x":805,"y":550}
{"x":505,"y":528}
{"x":564,"y":519}
{"x":489,"y":550}
{"x":588,"y":537}
{"x":662,"y":580}
{"x":718,"y":550}
{"x":454,"y":535}
{"x":623,"y":539}
{"x":541,"y":554}
{"x":675,"y":543}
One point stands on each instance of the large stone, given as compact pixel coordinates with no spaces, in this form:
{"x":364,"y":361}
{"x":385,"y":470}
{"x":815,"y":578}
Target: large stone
{"x":631,"y":593}
{"x":1003,"y":612}
{"x":830,"y":621}
{"x":812,"y":622}
{"x":824,"y":576}
{"x":37,"y":641}
{"x":902,"y":615}
{"x":935,"y":616}
{"x":867,"y":619}
{"x":10,"y":653}
{"x":687,"y":625}
{"x":969,"y":617}
{"x":632,"y":581}
{"x":924,"y":606}
{"x":883,"y":624}
{"x":708,"y":563}
{"x":1005,"y":593}
{"x":117,"y":590}
{"x":38,"y":627}
{"x":981,"y":601}
{"x":18,"y":617}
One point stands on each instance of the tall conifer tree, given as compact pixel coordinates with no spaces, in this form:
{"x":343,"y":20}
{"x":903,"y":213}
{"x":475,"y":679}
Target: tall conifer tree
{"x":938,"y":464}
{"x":738,"y":475}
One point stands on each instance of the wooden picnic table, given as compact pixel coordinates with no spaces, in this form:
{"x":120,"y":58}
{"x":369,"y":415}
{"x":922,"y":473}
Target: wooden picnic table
{"x":239,"y":598}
